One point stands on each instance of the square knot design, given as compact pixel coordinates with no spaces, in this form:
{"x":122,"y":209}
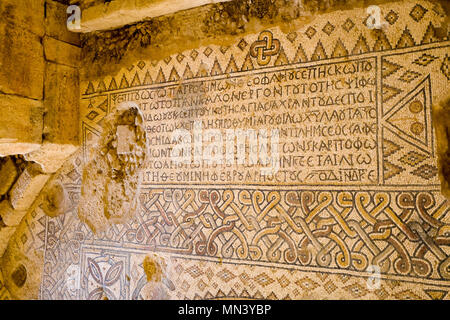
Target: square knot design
{"x":265,"y":47}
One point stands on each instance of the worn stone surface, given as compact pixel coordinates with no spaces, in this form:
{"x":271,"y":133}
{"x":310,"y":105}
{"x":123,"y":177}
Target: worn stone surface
{"x":61,"y":52}
{"x":4,"y":293}
{"x":22,"y":62}
{"x":20,"y":125}
{"x":111,"y":177}
{"x":22,"y":272}
{"x":441,"y":114}
{"x":28,"y":15}
{"x":8,"y":174}
{"x":61,"y":105}
{"x":5,"y":235}
{"x":56,"y":23}
{"x":9,"y":215}
{"x":27,"y":187}
{"x":51,"y":156}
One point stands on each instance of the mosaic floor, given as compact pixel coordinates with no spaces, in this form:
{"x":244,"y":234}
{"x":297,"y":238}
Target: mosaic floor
{"x":357,"y":184}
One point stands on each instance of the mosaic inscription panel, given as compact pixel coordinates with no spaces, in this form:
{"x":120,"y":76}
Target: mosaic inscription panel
{"x":356,"y":181}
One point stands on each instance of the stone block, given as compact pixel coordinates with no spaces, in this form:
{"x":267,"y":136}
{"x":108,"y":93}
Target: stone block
{"x":5,"y":234}
{"x":115,"y":14}
{"x":21,"y":124}
{"x":27,"y":187}
{"x":51,"y":156}
{"x":56,"y":23}
{"x":10,"y":217}
{"x":62,"y":101}
{"x":61,"y":52}
{"x":21,"y":61}
{"x":8,"y":174}
{"x":25,"y":14}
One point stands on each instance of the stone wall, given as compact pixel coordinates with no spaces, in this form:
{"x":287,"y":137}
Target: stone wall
{"x":39,"y":80}
{"x":39,"y":98}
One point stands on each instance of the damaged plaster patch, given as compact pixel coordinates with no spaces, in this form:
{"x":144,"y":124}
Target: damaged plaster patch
{"x":441,"y":114}
{"x":112,"y":177}
{"x":153,"y":269}
{"x":55,"y":199}
{"x":157,"y":272}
